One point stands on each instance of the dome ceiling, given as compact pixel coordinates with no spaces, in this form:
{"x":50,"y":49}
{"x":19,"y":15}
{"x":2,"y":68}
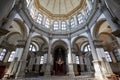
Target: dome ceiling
{"x":59,"y":8}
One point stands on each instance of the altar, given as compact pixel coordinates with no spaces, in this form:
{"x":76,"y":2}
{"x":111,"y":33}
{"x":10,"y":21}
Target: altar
{"x":59,"y":70}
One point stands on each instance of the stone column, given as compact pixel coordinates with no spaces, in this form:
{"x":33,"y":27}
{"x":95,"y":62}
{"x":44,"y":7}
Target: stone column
{"x":30,"y":63}
{"x":14,"y":64}
{"x":67,"y":70}
{"x":22,"y":65}
{"x":74,"y":59}
{"x":45,"y":58}
{"x":74,"y":64}
{"x":70,"y":59}
{"x":96,"y":62}
{"x":105,"y":66}
{"x":37,"y":64}
{"x":11,"y":66}
{"x":49,"y":59}
{"x":87,"y":63}
{"x":81,"y":63}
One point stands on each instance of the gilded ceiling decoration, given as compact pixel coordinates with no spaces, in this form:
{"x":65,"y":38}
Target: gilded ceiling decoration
{"x":59,"y":8}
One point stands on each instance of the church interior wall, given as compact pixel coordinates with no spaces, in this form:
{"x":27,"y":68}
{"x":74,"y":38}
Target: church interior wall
{"x":95,"y":51}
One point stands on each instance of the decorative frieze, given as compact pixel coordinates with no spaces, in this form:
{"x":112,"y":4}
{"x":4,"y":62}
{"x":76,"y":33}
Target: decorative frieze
{"x":98,"y":43}
{"x":21,"y":43}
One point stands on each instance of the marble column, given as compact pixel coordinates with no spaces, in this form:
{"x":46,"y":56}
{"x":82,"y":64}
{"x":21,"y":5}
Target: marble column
{"x":97,"y":64}
{"x":22,"y":65}
{"x":81,"y":63}
{"x":11,"y":67}
{"x":105,"y":66}
{"x":19,"y":50}
{"x":30,"y":65}
{"x":37,"y":64}
{"x":45,"y":58}
{"x":87,"y":63}
{"x":70,"y":59}
{"x":74,"y":64}
{"x":49,"y":59}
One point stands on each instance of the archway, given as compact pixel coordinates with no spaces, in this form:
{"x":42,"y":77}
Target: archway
{"x":59,"y":61}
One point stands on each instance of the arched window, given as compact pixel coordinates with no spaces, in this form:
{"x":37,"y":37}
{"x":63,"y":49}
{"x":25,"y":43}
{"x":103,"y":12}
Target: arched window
{"x":108,"y":56}
{"x":86,"y":12}
{"x":63,"y":26}
{"x":77,"y":60}
{"x":39,"y":18}
{"x":72,"y":23}
{"x":80,"y":18}
{"x":42,"y":60}
{"x":87,"y":48}
{"x":56,"y":25}
{"x":33,"y":12}
{"x":47,"y":23}
{"x":32,"y":48}
{"x":12,"y":55}
{"x":2,"y":54}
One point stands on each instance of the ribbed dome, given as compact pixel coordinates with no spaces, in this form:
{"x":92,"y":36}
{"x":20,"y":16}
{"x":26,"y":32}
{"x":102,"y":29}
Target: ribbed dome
{"x":59,"y":8}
